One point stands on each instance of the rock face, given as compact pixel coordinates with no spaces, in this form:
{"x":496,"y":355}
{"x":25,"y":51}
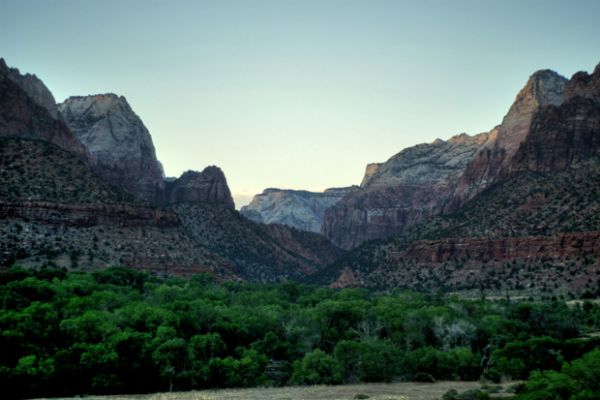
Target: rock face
{"x":26,"y":112}
{"x":208,"y":186}
{"x":35,"y":89}
{"x":296,"y":208}
{"x":561,"y":135}
{"x":544,"y":88}
{"x":120,"y":146}
{"x":370,"y":170}
{"x":411,"y":186}
{"x":525,"y":215}
{"x":56,"y":208}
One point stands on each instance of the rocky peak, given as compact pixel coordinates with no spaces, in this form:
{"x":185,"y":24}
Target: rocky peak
{"x":208,"y":186}
{"x":562,"y":135}
{"x":34,"y":88}
{"x":585,"y":85}
{"x":300,"y":209}
{"x":120,"y":145}
{"x":543,"y":88}
{"x":26,"y":112}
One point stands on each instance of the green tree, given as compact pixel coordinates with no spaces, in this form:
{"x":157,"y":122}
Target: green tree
{"x":317,"y":367}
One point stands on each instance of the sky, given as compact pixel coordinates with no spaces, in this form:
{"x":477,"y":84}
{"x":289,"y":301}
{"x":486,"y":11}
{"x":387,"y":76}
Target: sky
{"x":298,"y":94}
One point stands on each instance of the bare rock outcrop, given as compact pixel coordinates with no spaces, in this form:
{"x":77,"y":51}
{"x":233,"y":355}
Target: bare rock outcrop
{"x":208,"y":186}
{"x":411,"y":186}
{"x":544,"y":88}
{"x":300,"y":209}
{"x":26,"y":112}
{"x":35,"y":88}
{"x":120,"y":146}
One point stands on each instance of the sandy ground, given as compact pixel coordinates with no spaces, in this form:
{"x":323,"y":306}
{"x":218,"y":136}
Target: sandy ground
{"x":375,"y":391}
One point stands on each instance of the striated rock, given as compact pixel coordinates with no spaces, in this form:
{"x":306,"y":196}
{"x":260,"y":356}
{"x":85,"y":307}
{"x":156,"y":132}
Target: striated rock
{"x":543,"y":88}
{"x":411,"y":186}
{"x":26,"y":117}
{"x":208,"y":186}
{"x":86,"y":215}
{"x":296,"y":208}
{"x":120,"y":146}
{"x":501,"y":250}
{"x":559,"y":137}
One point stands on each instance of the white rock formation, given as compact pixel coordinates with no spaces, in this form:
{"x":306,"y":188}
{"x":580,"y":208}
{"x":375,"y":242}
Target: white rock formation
{"x":120,"y":145}
{"x":296,"y":208}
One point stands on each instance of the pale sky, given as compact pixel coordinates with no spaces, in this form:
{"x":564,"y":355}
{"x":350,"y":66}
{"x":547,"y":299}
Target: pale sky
{"x":298,"y":94}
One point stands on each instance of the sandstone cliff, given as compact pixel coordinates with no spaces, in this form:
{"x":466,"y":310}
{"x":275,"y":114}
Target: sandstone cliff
{"x":296,"y":208}
{"x":491,"y":162}
{"x":121,"y":148}
{"x":524,"y":216}
{"x":35,"y":89}
{"x":208,"y":186}
{"x":26,"y":112}
{"x":408,"y":188}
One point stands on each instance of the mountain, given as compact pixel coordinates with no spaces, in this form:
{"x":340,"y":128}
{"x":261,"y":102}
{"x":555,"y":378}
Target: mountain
{"x":29,"y":116}
{"x":35,"y":88}
{"x":208,"y":186}
{"x":411,"y":186}
{"x":428,"y":179}
{"x":300,"y":209}
{"x":62,"y":205}
{"x":490,"y":164}
{"x":55,"y":211}
{"x":120,"y":146}
{"x":534,"y":224}
{"x":257,"y":252}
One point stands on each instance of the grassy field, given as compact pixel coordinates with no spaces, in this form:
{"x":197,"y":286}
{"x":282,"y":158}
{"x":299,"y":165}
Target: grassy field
{"x":374,"y":391}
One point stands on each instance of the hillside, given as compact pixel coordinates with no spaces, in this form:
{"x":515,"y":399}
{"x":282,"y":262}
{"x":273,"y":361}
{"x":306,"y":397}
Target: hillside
{"x":536,"y":231}
{"x":263,"y":253}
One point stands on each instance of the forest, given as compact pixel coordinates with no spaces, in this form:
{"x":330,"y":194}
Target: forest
{"x":120,"y":330}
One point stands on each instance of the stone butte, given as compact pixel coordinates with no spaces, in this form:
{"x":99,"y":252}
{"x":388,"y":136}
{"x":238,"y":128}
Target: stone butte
{"x":208,"y":186}
{"x":120,"y":146}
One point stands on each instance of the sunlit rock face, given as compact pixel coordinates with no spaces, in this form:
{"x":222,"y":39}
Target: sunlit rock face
{"x":296,"y":208}
{"x":27,"y":111}
{"x":120,"y":145}
{"x":370,"y":170}
{"x":208,"y":186}
{"x":562,"y":135}
{"x":428,"y":179}
{"x":544,"y":88}
{"x":412,"y":185}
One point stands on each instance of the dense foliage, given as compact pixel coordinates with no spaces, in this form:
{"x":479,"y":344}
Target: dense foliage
{"x":120,"y":330}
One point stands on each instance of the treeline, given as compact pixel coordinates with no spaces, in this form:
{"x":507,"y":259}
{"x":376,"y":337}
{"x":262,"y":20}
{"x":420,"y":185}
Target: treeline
{"x":124,"y":331}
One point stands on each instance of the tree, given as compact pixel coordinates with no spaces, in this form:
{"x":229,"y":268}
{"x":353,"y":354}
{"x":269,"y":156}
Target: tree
{"x":317,"y":367}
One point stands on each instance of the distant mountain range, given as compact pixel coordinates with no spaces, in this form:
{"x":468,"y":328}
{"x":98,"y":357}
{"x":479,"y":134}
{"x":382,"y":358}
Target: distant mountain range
{"x":512,"y":209}
{"x":82,"y":188}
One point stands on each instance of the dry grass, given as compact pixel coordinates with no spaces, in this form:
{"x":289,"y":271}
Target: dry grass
{"x":375,"y":391}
